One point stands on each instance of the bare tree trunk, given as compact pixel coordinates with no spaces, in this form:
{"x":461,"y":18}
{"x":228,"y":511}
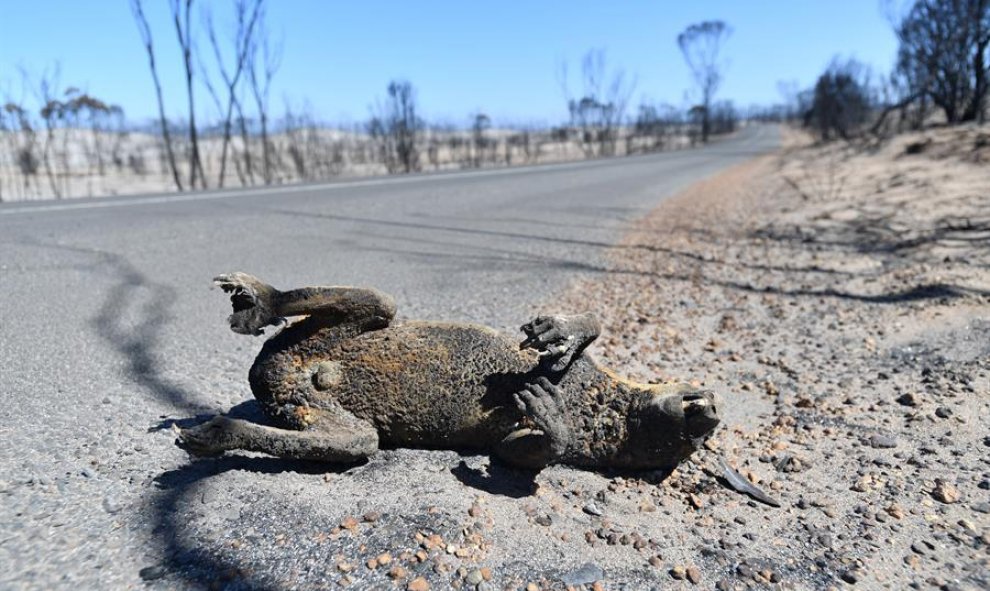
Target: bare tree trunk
{"x":981,"y":88}
{"x":145,"y":31}
{"x":706,"y":118}
{"x":877,"y":128}
{"x":185,"y":42}
{"x":266,"y":158}
{"x":51,"y":109}
{"x":246,"y":141}
{"x":245,"y":30}
{"x":46,"y":158}
{"x":271,"y":58}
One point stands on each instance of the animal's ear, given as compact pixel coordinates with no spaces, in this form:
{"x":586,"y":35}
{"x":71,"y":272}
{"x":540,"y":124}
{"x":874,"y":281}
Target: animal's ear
{"x":253,"y":302}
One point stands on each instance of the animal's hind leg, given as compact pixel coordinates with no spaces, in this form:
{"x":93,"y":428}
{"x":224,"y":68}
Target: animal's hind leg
{"x":257,"y":304}
{"x":328,"y":436}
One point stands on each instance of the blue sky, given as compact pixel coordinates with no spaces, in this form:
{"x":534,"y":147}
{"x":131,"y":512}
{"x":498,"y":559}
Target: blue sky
{"x":461,"y":56}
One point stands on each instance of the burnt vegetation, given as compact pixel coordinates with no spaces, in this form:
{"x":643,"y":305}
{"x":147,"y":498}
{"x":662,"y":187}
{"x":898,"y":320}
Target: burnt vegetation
{"x":220,"y":127}
{"x":59,"y":141}
{"x":702,"y":45}
{"x":941,"y":77}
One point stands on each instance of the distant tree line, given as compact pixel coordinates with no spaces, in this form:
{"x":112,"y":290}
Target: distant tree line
{"x":942,"y":71}
{"x":60,"y":142}
{"x":41,"y":155}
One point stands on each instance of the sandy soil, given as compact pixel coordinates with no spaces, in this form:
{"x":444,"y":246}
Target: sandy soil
{"x":837,"y":298}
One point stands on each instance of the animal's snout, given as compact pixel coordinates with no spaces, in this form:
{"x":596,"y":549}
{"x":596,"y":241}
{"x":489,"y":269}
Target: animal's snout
{"x":701,"y":412}
{"x":700,"y":402}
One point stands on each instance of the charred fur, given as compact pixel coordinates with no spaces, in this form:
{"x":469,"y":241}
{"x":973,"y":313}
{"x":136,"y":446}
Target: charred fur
{"x":344,"y":381}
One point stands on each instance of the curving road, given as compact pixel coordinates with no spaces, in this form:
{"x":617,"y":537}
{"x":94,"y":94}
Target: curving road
{"x":109,"y":329}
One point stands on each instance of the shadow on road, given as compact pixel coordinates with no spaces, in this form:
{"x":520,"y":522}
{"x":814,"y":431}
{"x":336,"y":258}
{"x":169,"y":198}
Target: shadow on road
{"x":137,"y":342}
{"x":702,"y":262}
{"x":130,"y":320}
{"x":193,"y":563}
{"x":496,"y":480}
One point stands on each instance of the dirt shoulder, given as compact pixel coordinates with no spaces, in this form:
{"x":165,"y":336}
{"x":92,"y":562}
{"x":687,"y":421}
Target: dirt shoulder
{"x":837,"y":298}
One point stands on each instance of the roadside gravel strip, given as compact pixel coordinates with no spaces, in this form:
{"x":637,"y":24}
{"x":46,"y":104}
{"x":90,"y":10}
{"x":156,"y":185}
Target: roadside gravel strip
{"x":837,"y":298}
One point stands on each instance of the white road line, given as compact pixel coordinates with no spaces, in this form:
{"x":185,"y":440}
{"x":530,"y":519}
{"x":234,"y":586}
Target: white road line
{"x":211,"y":195}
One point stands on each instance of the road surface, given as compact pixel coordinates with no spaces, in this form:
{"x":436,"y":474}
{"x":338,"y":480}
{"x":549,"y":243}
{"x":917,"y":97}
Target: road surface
{"x":110,"y":330}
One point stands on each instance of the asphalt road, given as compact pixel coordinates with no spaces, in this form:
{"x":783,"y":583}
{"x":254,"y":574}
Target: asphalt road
{"x":109,"y":326}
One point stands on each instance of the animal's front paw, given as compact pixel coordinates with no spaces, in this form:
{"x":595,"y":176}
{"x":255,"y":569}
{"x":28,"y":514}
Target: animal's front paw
{"x":541,"y":402}
{"x":208,"y":439}
{"x":561,"y":338}
{"x":253,"y":301}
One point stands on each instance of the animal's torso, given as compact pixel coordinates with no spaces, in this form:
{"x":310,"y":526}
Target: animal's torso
{"x":421,"y":384}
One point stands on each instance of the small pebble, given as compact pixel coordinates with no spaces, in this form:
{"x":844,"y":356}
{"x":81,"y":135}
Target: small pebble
{"x":588,"y":573}
{"x":372,"y":516}
{"x":695,"y":501}
{"x":945,"y":492}
{"x":151,"y":573}
{"x":112,"y":504}
{"x":474,"y":577}
{"x":592,"y":509}
{"x":909,"y":399}
{"x":882,"y":442}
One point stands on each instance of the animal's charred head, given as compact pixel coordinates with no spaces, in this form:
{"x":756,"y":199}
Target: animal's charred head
{"x":669,"y":427}
{"x":700,"y":412}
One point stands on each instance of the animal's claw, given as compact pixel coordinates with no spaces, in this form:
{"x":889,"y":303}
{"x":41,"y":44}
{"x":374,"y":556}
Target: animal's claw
{"x":203,"y":440}
{"x":539,"y":401}
{"x":229,"y":281}
{"x":252,"y":302}
{"x":550,"y":336}
{"x":542,"y":404}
